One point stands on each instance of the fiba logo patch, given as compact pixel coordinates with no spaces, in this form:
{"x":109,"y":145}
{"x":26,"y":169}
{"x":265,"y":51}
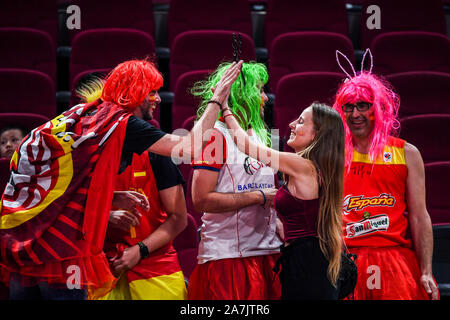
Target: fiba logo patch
{"x":251,"y":165}
{"x":387,"y":156}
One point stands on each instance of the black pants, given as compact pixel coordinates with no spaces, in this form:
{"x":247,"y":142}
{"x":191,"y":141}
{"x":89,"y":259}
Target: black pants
{"x":42,"y":291}
{"x":304,"y":270}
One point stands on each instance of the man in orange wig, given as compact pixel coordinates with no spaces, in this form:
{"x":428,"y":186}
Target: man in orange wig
{"x":154,"y":273}
{"x":55,"y":208}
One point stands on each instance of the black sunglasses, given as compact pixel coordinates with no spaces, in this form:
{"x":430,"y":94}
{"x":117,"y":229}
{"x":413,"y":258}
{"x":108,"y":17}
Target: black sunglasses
{"x":360,"y":106}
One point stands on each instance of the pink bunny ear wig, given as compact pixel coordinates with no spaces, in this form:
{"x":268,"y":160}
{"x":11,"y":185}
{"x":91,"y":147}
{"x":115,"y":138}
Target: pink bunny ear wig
{"x":368,"y":87}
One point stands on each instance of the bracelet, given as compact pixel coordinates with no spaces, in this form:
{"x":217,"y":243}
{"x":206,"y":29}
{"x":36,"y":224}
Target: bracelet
{"x":230,"y":114}
{"x":264,"y":198}
{"x":216,"y":102}
{"x":143,"y":249}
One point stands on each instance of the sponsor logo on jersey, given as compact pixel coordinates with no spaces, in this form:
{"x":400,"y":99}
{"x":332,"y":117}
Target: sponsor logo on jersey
{"x":254,"y":186}
{"x":366,"y":226}
{"x":360,"y":202}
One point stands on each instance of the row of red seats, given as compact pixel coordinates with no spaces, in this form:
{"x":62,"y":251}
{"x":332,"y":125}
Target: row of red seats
{"x":101,"y":49}
{"x":196,"y":53}
{"x":282,"y":16}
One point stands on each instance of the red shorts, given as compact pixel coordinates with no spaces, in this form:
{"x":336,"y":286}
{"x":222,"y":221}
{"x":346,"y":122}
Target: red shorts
{"x":388,"y":273}
{"x":248,"y":278}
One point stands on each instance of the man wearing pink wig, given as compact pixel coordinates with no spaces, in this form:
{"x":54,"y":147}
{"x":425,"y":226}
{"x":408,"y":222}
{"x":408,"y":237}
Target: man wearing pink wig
{"x":384,"y":177}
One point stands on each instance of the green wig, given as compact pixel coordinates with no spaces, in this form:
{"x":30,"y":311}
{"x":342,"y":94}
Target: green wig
{"x":245,"y":99}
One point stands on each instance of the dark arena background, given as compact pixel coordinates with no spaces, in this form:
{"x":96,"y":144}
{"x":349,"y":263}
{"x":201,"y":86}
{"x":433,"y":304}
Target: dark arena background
{"x":49,"y":48}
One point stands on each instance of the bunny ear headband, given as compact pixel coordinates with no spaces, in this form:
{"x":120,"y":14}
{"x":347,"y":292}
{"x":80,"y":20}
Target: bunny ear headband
{"x":338,"y":54}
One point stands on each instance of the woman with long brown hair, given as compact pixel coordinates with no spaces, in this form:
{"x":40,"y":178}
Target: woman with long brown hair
{"x":310,"y":202}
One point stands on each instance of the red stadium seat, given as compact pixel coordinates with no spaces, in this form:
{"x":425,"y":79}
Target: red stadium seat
{"x":184,"y":104}
{"x":27,"y":91}
{"x":232,"y":15}
{"x":204,"y":50}
{"x":403,"y":15}
{"x":35,"y":14}
{"x":297,"y":91}
{"x":99,"y":49}
{"x":437,"y":176}
{"x":131,"y":14}
{"x":304,"y":15}
{"x":411,"y":51}
{"x":306,"y":51}
{"x":429,"y":133}
{"x":422,"y":92}
{"x":27,"y":121}
{"x":29,"y":49}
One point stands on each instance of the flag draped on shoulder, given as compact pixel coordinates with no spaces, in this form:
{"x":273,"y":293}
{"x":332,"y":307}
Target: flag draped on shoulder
{"x":55,"y":207}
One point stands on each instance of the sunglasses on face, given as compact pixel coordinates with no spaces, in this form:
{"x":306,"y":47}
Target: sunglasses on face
{"x":360,"y":106}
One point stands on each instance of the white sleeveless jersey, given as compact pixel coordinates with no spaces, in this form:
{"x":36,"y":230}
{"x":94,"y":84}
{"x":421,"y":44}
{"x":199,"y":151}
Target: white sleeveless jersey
{"x":250,"y":231}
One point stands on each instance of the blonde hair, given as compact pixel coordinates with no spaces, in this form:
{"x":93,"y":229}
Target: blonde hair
{"x":327,"y":154}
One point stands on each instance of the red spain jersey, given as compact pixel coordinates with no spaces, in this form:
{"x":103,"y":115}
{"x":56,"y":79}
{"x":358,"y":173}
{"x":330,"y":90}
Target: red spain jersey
{"x":375,"y":198}
{"x":139,"y":177}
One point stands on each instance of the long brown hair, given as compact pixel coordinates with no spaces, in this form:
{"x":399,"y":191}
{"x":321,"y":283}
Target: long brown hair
{"x":327,"y":152}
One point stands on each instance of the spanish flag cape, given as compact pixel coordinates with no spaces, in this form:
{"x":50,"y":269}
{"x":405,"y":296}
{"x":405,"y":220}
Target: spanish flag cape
{"x":55,"y":208}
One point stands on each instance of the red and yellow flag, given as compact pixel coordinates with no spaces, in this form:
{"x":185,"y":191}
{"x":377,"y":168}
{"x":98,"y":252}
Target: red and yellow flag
{"x":55,"y":208}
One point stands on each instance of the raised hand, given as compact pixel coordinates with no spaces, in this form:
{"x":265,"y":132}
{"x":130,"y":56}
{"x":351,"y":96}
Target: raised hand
{"x":221,"y":91}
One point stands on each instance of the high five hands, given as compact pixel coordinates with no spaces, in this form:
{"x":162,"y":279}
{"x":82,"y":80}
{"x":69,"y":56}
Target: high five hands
{"x":222,"y":89}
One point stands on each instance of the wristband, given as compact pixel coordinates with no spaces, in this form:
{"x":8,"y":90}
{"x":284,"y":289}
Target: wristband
{"x":216,"y":102}
{"x":230,"y":114}
{"x":264,"y":197}
{"x":143,"y":249}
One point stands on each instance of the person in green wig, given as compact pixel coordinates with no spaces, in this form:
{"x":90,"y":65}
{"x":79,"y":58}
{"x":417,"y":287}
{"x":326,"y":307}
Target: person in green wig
{"x":239,"y":241}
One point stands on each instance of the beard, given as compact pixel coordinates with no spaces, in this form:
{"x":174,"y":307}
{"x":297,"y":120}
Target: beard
{"x":147,"y":113}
